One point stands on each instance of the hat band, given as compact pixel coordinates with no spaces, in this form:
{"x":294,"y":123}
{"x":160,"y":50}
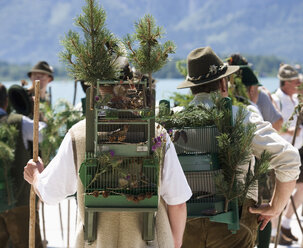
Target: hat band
{"x":214,"y":72}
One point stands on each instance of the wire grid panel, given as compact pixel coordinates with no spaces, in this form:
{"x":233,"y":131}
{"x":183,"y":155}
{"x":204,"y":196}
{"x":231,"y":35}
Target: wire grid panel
{"x":196,"y":140}
{"x":202,"y":184}
{"x":135,"y":175}
{"x":126,"y":133}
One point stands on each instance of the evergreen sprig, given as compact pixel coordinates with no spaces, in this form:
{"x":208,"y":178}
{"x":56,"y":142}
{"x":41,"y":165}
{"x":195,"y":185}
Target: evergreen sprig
{"x":181,"y":66}
{"x":59,"y":120}
{"x":93,"y":57}
{"x":234,"y":142}
{"x":194,"y":116}
{"x":8,"y":138}
{"x":146,"y":52}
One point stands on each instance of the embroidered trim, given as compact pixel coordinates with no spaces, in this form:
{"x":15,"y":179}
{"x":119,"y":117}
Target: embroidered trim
{"x":213,"y":71}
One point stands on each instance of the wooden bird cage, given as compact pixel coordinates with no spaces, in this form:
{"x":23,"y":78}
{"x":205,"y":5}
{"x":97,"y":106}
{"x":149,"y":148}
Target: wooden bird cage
{"x":120,"y":172}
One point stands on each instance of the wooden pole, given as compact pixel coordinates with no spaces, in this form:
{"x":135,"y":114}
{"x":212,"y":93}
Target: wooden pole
{"x":44,"y":241}
{"x":75,"y":92}
{"x":68,"y":221}
{"x":32,"y":200}
{"x":61,"y":223}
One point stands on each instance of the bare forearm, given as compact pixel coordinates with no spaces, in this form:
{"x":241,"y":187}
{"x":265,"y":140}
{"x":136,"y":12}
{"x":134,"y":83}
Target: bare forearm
{"x":280,"y":198}
{"x":177,"y":217}
{"x":278,"y":124}
{"x":283,"y":191}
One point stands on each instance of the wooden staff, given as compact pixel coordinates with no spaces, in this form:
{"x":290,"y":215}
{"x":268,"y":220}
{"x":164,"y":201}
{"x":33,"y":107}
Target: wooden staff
{"x":68,"y":221}
{"x":32,"y":199}
{"x":61,"y":223}
{"x":75,"y":92}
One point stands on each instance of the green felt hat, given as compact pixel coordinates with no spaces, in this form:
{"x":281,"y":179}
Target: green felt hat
{"x":248,"y":76}
{"x":204,"y":66}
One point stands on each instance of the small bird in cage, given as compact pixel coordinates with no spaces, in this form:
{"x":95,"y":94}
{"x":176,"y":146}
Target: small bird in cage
{"x":118,"y":134}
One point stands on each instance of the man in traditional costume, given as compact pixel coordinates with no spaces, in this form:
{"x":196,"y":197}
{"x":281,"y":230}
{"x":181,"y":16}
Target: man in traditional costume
{"x":114,"y":229}
{"x":286,"y":98}
{"x":44,"y":72}
{"x":207,"y":73}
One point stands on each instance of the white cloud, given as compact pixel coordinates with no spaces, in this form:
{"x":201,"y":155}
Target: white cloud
{"x":221,"y":38}
{"x":59,"y":14}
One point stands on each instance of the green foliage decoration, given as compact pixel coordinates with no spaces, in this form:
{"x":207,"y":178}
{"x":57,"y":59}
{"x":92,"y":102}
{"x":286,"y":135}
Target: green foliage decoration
{"x":59,"y":120}
{"x":234,"y":142}
{"x":237,"y":90}
{"x":298,"y":111}
{"x":181,"y":99}
{"x":8,"y":138}
{"x":181,"y":66}
{"x":146,"y":52}
{"x":94,"y":56}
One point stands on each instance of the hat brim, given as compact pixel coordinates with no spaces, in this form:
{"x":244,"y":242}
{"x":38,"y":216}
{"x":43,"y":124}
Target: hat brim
{"x":40,"y":71}
{"x":188,"y":84}
{"x":288,"y":79}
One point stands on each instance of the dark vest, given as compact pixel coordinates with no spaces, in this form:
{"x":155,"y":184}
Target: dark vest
{"x":21,"y":187}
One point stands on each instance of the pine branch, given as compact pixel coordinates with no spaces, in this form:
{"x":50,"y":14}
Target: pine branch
{"x":90,"y":59}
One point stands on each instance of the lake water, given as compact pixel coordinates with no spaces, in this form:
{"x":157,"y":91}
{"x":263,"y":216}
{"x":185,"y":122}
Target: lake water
{"x":164,"y":88}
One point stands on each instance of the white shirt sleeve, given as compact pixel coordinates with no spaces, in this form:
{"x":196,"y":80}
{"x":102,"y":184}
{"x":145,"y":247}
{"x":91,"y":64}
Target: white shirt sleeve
{"x":59,"y":178}
{"x":28,"y":130}
{"x":174,"y":187}
{"x":285,"y":158}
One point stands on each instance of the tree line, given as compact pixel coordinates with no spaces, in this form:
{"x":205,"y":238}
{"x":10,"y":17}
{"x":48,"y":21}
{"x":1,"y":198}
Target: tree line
{"x":264,"y":66}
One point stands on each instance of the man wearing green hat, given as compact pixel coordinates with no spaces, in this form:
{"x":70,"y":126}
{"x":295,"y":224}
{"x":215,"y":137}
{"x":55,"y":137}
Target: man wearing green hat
{"x":206,"y":74}
{"x":44,"y":72}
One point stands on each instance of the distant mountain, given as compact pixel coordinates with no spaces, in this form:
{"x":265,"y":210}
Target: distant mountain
{"x":31,"y":29}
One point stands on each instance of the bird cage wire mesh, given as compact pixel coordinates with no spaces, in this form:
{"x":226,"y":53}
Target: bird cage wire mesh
{"x":120,"y":172}
{"x":197,"y":150}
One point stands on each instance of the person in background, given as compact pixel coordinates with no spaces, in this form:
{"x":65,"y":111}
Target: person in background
{"x":14,"y":220}
{"x":44,"y":72}
{"x":269,"y":111}
{"x":266,"y":183}
{"x":249,"y":79}
{"x":207,"y":74}
{"x":263,"y":98}
{"x":286,"y":100}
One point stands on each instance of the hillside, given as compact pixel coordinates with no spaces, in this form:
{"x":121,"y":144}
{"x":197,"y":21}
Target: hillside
{"x":31,"y":29}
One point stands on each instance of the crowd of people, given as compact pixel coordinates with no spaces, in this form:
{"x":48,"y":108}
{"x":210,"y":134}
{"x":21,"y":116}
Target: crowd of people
{"x":14,"y":220}
{"x":277,"y":130}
